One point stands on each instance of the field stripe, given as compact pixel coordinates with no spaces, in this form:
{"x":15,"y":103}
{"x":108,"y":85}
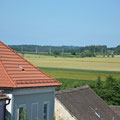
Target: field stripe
{"x":79,"y":70}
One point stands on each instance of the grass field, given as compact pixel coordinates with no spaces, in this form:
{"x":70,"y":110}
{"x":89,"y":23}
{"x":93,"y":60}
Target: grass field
{"x":74,"y":77}
{"x":74,"y":72}
{"x":78,"y":74}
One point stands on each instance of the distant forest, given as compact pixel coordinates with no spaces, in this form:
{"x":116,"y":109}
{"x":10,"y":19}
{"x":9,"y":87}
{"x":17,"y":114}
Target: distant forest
{"x":100,"y":49}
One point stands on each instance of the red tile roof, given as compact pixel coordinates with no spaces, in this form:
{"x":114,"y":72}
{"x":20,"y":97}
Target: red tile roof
{"x":16,"y":72}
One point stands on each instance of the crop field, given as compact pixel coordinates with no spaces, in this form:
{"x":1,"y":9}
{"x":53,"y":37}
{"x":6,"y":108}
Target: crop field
{"x":73,"y":72}
{"x":101,"y":64}
{"x":79,"y":74}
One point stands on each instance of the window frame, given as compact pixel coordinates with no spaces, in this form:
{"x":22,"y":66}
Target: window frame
{"x":37,"y":103}
{"x":48,"y":104}
{"x":24,"y":107}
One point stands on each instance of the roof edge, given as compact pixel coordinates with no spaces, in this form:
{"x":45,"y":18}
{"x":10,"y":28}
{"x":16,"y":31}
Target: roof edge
{"x":73,"y":89}
{"x":7,"y":74}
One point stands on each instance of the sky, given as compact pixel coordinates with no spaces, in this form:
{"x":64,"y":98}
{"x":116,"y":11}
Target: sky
{"x":60,"y":22}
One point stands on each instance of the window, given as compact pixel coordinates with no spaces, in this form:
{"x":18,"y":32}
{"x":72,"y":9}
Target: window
{"x":34,"y":111}
{"x":97,"y":115}
{"x":22,"y":112}
{"x":46,"y":111}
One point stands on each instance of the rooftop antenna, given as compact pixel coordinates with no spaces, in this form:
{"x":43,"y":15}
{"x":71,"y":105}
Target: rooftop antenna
{"x":21,"y":67}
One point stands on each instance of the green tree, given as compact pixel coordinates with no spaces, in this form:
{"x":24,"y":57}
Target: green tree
{"x":110,"y":82}
{"x":23,"y":115}
{"x":108,"y":55}
{"x":73,"y":52}
{"x":112,"y":55}
{"x":56,"y":53}
{"x":99,"y":83}
{"x":87,"y":54}
{"x":117,"y":50}
{"x":110,"y":90}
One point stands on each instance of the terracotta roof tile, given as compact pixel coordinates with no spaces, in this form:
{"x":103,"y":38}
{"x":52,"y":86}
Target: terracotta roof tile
{"x":16,"y":72}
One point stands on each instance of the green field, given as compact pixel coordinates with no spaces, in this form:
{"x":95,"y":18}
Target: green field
{"x":74,"y":72}
{"x":74,"y":77}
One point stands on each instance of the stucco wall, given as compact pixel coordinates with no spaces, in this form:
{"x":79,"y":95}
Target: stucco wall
{"x":61,"y":113}
{"x":2,"y":103}
{"x":27,"y":98}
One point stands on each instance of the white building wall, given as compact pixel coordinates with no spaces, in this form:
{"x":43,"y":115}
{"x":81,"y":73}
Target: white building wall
{"x":29,"y":96}
{"x":61,"y":113}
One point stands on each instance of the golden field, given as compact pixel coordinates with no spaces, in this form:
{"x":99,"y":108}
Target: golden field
{"x":102,"y":64}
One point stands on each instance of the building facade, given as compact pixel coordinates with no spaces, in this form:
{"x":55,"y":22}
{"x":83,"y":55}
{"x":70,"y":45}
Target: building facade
{"x":31,"y":91}
{"x":38,"y":103}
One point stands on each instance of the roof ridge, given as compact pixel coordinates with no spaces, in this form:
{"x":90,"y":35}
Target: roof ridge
{"x":73,"y":89}
{"x":114,"y":105}
{"x":26,"y":60}
{"x":7,"y":73}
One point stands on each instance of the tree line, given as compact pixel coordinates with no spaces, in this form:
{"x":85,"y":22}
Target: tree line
{"x":108,"y":90}
{"x":89,"y":51}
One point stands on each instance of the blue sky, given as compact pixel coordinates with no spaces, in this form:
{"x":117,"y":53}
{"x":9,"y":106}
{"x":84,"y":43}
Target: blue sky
{"x":60,"y":22}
